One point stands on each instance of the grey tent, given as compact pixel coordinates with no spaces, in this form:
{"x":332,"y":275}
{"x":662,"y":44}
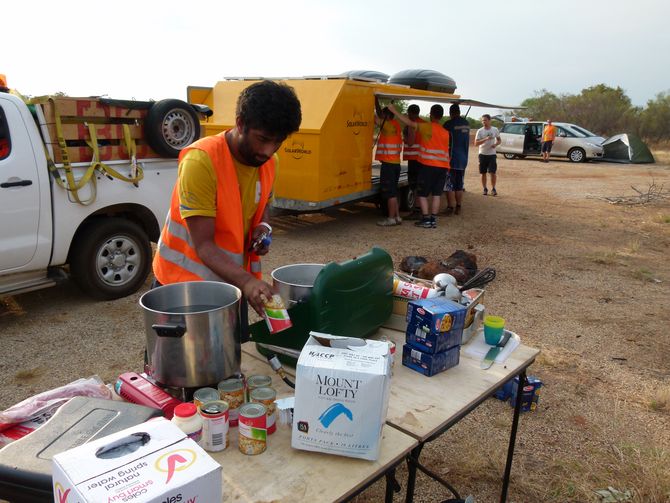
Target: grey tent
{"x":626,"y":148}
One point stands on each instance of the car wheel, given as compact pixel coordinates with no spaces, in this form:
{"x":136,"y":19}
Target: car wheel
{"x":577,"y":155}
{"x":170,"y":126}
{"x":111,"y":258}
{"x":509,"y":156}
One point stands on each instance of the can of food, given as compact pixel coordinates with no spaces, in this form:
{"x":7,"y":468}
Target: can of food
{"x":276,"y":315}
{"x":203,"y":395}
{"x":214,"y":425}
{"x":252,"y":438}
{"x":267,"y":397}
{"x":257,"y":381}
{"x":231,"y":391}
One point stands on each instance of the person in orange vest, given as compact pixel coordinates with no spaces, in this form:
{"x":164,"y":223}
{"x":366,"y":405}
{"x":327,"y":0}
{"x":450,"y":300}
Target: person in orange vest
{"x":548,"y":136}
{"x":389,"y":146}
{"x":434,"y":163}
{"x":217,"y":226}
{"x":410,"y":153}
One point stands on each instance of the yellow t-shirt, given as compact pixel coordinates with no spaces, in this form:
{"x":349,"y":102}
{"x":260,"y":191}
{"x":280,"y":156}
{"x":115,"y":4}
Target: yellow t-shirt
{"x":425,"y":129}
{"x":197,"y":187}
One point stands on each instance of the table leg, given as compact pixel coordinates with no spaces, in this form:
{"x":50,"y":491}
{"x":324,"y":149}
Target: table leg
{"x":392,"y":485}
{"x":412,"y":459}
{"x":512,"y":438}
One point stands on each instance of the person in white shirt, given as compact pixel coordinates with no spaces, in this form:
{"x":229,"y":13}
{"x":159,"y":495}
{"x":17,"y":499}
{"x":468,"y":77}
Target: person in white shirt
{"x":487,"y":139}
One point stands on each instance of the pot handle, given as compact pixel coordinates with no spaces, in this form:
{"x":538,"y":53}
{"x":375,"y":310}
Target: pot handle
{"x":169,"y":330}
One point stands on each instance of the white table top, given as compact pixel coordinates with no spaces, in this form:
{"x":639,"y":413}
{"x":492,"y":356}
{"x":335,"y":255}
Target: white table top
{"x":282,"y":473}
{"x":422,"y":406}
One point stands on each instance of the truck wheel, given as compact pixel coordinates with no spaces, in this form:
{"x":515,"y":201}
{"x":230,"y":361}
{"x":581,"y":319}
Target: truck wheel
{"x":170,"y":126}
{"x":509,"y":156}
{"x":407,"y":198}
{"x":110,"y":258}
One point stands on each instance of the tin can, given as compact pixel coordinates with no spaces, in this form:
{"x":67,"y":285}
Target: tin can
{"x":232,"y":392}
{"x":252,"y":429}
{"x":214,"y":425}
{"x":257,"y":381}
{"x":204,"y":395}
{"x":267,"y":397}
{"x":276,"y":315}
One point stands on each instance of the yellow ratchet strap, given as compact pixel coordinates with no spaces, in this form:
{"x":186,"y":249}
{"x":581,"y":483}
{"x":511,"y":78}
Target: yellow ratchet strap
{"x":102,"y":167}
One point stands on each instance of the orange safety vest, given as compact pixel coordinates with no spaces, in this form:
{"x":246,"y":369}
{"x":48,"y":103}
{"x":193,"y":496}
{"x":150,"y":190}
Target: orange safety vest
{"x":549,"y":133}
{"x":176,"y":259}
{"x":389,"y":145}
{"x":411,"y":152}
{"x":435,"y":151}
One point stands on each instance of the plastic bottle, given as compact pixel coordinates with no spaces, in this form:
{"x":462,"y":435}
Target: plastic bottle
{"x":189,"y":421}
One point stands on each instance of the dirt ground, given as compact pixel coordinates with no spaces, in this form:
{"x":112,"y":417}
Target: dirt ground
{"x":585,"y":281}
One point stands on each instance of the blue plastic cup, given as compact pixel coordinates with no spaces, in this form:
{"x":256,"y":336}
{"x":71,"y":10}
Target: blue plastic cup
{"x":494,"y":326}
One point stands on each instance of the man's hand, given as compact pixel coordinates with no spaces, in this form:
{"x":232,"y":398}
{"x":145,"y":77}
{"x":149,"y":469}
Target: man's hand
{"x":261,"y":237}
{"x":257,"y":293}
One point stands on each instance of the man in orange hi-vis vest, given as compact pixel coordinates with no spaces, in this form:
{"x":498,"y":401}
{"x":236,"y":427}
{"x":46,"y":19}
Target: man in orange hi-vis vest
{"x":389,"y":146}
{"x":548,"y":137}
{"x":217,"y":227}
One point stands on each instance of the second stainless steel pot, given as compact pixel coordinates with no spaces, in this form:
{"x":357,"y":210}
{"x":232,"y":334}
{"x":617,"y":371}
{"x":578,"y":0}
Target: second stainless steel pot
{"x":294,"y":282}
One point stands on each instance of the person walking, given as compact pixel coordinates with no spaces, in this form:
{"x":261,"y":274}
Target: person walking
{"x":548,"y":136}
{"x":219,"y":210}
{"x":487,"y":139}
{"x":389,"y":144}
{"x":410,"y":153}
{"x":459,"y":146}
{"x":433,"y":160}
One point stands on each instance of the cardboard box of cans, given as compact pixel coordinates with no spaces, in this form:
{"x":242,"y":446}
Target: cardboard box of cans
{"x":435,"y":325}
{"x":530,"y":394}
{"x":430,"y":364}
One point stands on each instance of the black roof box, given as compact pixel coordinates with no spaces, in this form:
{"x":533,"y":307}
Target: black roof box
{"x":427,"y":80}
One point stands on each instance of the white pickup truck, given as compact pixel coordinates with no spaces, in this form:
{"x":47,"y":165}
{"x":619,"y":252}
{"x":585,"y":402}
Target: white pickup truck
{"x":103,"y":231}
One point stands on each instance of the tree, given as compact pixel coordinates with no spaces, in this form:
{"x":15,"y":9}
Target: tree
{"x":655,"y":118}
{"x":543,"y":106}
{"x":603,"y":109}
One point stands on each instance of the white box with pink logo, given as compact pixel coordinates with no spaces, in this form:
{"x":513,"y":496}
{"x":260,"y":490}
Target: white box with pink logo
{"x":147,"y":463}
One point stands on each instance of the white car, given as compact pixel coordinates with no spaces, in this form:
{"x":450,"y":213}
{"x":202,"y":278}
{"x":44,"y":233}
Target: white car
{"x":521,"y":139}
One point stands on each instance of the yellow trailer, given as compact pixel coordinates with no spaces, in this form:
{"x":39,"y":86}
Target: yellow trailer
{"x":329,"y":161}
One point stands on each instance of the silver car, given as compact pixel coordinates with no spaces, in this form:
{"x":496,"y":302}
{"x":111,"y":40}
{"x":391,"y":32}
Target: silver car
{"x":521,"y":139}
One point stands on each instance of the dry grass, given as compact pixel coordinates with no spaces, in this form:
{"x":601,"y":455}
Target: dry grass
{"x":660,"y":402}
{"x":662,"y":219}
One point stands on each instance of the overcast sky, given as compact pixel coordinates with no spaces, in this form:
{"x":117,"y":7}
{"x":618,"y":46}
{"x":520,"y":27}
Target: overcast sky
{"x":496,"y":51}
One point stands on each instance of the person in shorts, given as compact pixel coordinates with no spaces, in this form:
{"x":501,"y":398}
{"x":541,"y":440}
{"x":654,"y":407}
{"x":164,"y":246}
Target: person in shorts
{"x":548,"y":136}
{"x":459,"y":145}
{"x":389,"y":146}
{"x":487,"y":139}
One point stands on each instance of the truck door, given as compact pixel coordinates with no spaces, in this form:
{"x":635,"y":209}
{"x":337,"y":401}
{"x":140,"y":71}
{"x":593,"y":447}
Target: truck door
{"x":19,"y":189}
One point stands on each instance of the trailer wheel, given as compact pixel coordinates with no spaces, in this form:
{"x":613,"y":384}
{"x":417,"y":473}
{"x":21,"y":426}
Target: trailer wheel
{"x":110,"y":258}
{"x":407,"y":198}
{"x":170,"y":126}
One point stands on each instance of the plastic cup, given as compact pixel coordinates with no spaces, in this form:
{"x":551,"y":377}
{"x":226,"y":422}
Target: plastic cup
{"x":494,"y":327}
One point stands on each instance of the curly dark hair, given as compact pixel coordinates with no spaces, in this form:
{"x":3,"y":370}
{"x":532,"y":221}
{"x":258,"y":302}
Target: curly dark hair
{"x":271,"y":107}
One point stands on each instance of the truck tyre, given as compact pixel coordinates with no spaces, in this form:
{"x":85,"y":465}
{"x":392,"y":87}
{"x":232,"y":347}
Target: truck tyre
{"x":110,"y":258}
{"x":407,"y":198}
{"x":170,"y":126}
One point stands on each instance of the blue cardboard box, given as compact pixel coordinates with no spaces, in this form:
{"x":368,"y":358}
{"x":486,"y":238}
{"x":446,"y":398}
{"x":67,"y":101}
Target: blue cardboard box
{"x":435,"y":325}
{"x":430,"y":364}
{"x":530,"y":396}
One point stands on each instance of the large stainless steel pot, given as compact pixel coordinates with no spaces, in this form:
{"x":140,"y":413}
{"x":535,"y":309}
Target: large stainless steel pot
{"x":294,"y":282}
{"x":193,"y":333}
